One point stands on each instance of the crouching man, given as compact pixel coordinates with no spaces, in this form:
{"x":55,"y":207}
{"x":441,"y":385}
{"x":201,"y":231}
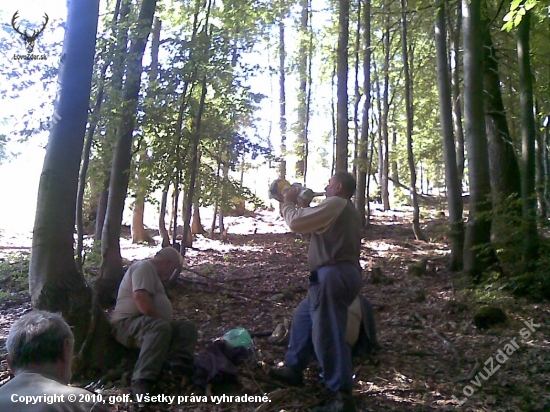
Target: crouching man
{"x":142,"y":319}
{"x":40,"y":350}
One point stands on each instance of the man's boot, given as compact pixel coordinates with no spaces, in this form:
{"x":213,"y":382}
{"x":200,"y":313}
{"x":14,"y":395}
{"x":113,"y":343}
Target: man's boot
{"x":342,"y":402}
{"x":141,"y":388}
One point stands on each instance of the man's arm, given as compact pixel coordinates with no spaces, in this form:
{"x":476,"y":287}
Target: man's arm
{"x":313,"y":219}
{"x":145,"y":303}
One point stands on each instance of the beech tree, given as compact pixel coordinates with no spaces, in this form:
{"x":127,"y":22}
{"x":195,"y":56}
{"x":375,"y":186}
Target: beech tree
{"x":478,"y":228}
{"x":528,"y":137}
{"x":454,"y":192}
{"x":363,"y":168}
{"x":408,"y":109}
{"x":342,"y":73}
{"x":55,"y":283}
{"x":111,"y":267}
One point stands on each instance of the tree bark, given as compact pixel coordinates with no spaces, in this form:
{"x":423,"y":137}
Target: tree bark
{"x":342,"y":87}
{"x":282,"y":92}
{"x":503,"y":163}
{"x":383,"y":146}
{"x":454,"y":192}
{"x":303,"y":107}
{"x":504,"y":168}
{"x":196,"y":225}
{"x":364,"y":168}
{"x":162,"y":216}
{"x":139,"y":235}
{"x":101,"y":210}
{"x":93,"y":121}
{"x":112,"y":105}
{"x":111,"y":267}
{"x":478,"y":228}
{"x":528,"y":138}
{"x":455,"y":84}
{"x":55,"y":283}
{"x":194,"y":167}
{"x":408,"y":108}
{"x":542,"y":175}
{"x":357,"y":93}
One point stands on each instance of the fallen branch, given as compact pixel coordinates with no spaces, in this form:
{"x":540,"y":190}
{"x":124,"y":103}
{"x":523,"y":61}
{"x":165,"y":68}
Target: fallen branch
{"x":196,"y":272}
{"x":273,"y":398}
{"x":473,"y":372}
{"x":244,"y":298}
{"x":382,"y":391}
{"x":251,"y":375}
{"x":448,"y":344}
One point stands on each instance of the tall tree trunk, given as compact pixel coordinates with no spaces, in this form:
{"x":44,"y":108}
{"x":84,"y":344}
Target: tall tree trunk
{"x":333,"y":115}
{"x":303,"y":107}
{"x":162,"y":216}
{"x":528,"y":137}
{"x":111,"y":267}
{"x":503,"y":163}
{"x":364,"y":168}
{"x":379,"y":135}
{"x":542,"y":175}
{"x":546,"y":160}
{"x":478,"y":228}
{"x":101,"y":210}
{"x":455,"y":85}
{"x":309,"y":95}
{"x":394,"y":165}
{"x":217,"y":199}
{"x":454,"y":192}
{"x":282,"y":92}
{"x":139,"y":235}
{"x":342,"y":73}
{"x":223,"y":200}
{"x":94,"y":119}
{"x":196,"y":225}
{"x":55,"y":283}
{"x":384,"y":142}
{"x":194,"y":166}
{"x":408,"y":108}
{"x":174,"y":216}
{"x":357,"y":93}
{"x":113,"y":120}
{"x":505,"y":175}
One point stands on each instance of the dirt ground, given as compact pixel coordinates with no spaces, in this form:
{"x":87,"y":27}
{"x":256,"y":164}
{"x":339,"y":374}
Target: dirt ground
{"x":257,"y":275}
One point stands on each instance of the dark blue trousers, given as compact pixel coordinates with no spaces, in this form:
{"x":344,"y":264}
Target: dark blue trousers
{"x":319,"y":325}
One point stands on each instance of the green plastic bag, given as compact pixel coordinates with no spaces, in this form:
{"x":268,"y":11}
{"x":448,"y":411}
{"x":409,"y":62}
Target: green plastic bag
{"x":238,"y":337}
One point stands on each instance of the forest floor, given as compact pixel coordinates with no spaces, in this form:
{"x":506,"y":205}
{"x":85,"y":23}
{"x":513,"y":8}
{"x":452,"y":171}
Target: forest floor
{"x":257,"y":275}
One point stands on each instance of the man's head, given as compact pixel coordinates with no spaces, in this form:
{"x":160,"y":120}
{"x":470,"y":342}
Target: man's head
{"x":41,"y":340}
{"x":341,"y":184}
{"x":167,"y":260}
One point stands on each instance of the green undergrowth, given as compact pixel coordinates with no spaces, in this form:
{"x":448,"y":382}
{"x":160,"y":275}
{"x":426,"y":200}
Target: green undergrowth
{"x":14,"y":273}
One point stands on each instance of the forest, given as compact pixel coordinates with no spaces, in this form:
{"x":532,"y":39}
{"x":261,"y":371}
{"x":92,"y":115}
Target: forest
{"x":167,"y":109}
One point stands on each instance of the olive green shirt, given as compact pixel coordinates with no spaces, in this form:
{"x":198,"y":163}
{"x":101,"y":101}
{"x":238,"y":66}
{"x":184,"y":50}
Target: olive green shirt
{"x":335,"y":230}
{"x":141,"y":275}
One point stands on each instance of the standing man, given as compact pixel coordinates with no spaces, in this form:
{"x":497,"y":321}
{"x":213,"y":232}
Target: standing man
{"x":143,"y":319}
{"x":40,"y":352}
{"x":319,"y":322}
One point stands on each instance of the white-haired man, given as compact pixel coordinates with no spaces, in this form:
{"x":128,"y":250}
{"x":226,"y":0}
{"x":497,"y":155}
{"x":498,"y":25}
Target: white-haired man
{"x":142,"y":319}
{"x":40,"y":350}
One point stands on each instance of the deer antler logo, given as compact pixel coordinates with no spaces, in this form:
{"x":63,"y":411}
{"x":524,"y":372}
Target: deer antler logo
{"x":29,"y":39}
